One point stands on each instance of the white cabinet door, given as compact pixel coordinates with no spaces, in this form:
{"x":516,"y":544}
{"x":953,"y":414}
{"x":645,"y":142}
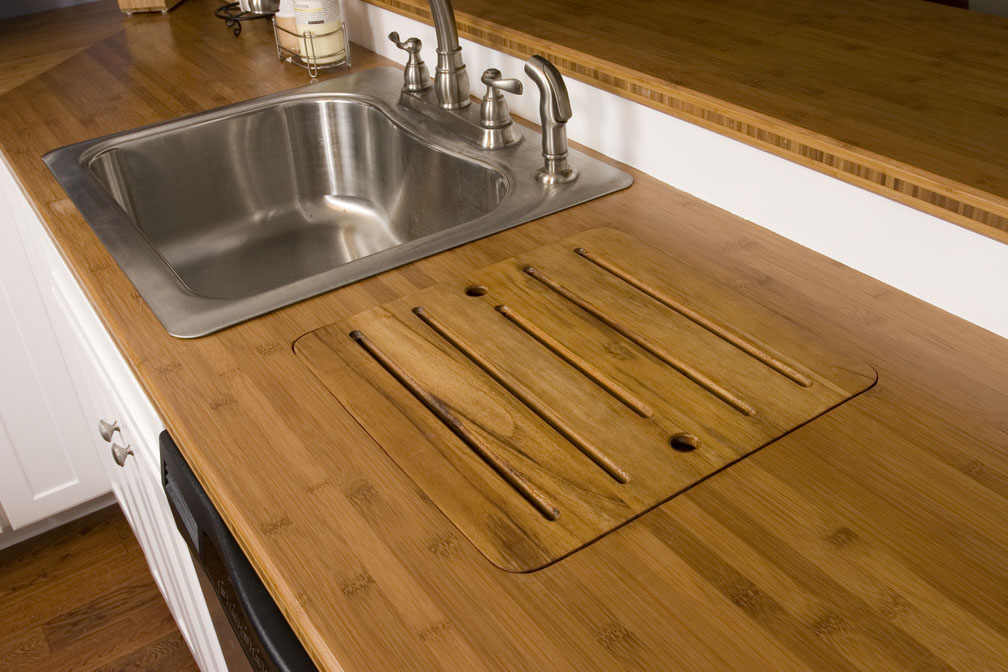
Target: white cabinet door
{"x":45,"y":465}
{"x":110,"y":393}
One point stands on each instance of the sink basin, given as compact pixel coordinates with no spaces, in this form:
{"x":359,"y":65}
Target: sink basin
{"x":228,"y":214}
{"x":289,"y":190}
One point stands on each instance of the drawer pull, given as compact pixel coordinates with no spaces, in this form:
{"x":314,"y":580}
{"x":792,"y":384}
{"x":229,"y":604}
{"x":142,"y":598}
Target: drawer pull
{"x":107,"y":430}
{"x":119,"y":454}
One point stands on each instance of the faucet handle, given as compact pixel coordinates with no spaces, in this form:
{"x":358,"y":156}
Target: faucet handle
{"x":492,"y":78}
{"x":411,"y":46}
{"x":497,"y":129}
{"x":415,"y":76}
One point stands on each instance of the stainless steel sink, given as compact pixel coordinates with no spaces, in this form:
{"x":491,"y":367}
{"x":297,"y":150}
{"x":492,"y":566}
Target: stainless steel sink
{"x":231,"y":213}
{"x":288,"y":191}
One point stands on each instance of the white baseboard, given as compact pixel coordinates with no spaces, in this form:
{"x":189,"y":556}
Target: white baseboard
{"x":999,"y":7}
{"x":11,"y":537}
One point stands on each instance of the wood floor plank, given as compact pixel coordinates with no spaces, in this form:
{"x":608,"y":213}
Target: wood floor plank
{"x":116,"y":640}
{"x":122,"y":639}
{"x":24,"y":649}
{"x":64,"y":551}
{"x":37,"y":605}
{"x":81,"y":597}
{"x":108,"y":607}
{"x":168,"y":653}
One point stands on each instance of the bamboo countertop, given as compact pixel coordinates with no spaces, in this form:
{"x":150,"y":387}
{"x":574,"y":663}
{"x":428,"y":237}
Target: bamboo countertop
{"x":905,"y":98}
{"x":871,"y":538}
{"x":31,"y":44}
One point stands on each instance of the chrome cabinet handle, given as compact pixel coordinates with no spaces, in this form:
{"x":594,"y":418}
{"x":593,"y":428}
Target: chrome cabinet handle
{"x":107,"y":430}
{"x":119,"y":454}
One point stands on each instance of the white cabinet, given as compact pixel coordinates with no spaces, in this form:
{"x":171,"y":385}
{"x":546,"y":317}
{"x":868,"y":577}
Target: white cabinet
{"x":46,"y":466}
{"x":106,"y":390}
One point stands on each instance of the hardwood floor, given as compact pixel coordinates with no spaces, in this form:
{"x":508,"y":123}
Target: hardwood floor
{"x":81,"y":598}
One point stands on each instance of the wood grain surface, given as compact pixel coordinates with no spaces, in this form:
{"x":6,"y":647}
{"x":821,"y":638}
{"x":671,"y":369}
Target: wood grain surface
{"x":31,"y":44}
{"x":904,"y":98}
{"x":872,"y":538}
{"x":545,"y":400}
{"x":81,"y":598}
{"x":130,"y":6}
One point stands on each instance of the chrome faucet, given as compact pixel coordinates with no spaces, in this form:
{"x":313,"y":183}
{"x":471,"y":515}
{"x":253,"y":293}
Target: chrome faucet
{"x":554,"y":111}
{"x":492,"y":127}
{"x":448,"y":101}
{"x":451,"y":82}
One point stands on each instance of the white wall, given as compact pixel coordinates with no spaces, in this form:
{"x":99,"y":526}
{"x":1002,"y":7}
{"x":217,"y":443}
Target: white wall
{"x":999,"y":7}
{"x":935,"y":260}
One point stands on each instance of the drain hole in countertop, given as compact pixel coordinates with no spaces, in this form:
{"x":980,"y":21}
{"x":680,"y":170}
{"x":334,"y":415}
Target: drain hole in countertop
{"x":684,"y":442}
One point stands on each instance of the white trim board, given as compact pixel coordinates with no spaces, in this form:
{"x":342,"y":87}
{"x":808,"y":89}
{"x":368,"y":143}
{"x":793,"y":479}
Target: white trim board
{"x":898,"y":245}
{"x":10,"y":537}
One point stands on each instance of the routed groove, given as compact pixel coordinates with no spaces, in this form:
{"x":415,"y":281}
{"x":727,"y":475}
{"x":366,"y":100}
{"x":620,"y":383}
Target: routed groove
{"x":515,"y":478}
{"x":682,"y":367}
{"x":725,"y":334}
{"x":585,"y":367}
{"x":526,"y":397}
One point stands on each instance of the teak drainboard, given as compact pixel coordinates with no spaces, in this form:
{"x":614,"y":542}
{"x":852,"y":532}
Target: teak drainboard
{"x":545,"y":400}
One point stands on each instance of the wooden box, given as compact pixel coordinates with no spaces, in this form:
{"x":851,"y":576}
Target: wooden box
{"x":131,"y":6}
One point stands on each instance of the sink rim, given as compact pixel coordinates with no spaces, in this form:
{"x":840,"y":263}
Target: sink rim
{"x":104,"y":146}
{"x":185,"y":314}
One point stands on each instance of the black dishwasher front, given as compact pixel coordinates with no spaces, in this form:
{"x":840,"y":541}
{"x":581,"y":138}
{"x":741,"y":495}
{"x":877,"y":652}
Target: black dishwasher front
{"x":260,"y":629}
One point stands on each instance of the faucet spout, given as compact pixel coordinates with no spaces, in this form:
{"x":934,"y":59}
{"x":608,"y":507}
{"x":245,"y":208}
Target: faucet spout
{"x":554,"y":111}
{"x":451,"y":82}
{"x":444,"y":25}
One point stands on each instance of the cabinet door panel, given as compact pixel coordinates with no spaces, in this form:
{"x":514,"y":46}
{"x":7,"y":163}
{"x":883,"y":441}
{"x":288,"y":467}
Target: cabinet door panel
{"x":45,"y":466}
